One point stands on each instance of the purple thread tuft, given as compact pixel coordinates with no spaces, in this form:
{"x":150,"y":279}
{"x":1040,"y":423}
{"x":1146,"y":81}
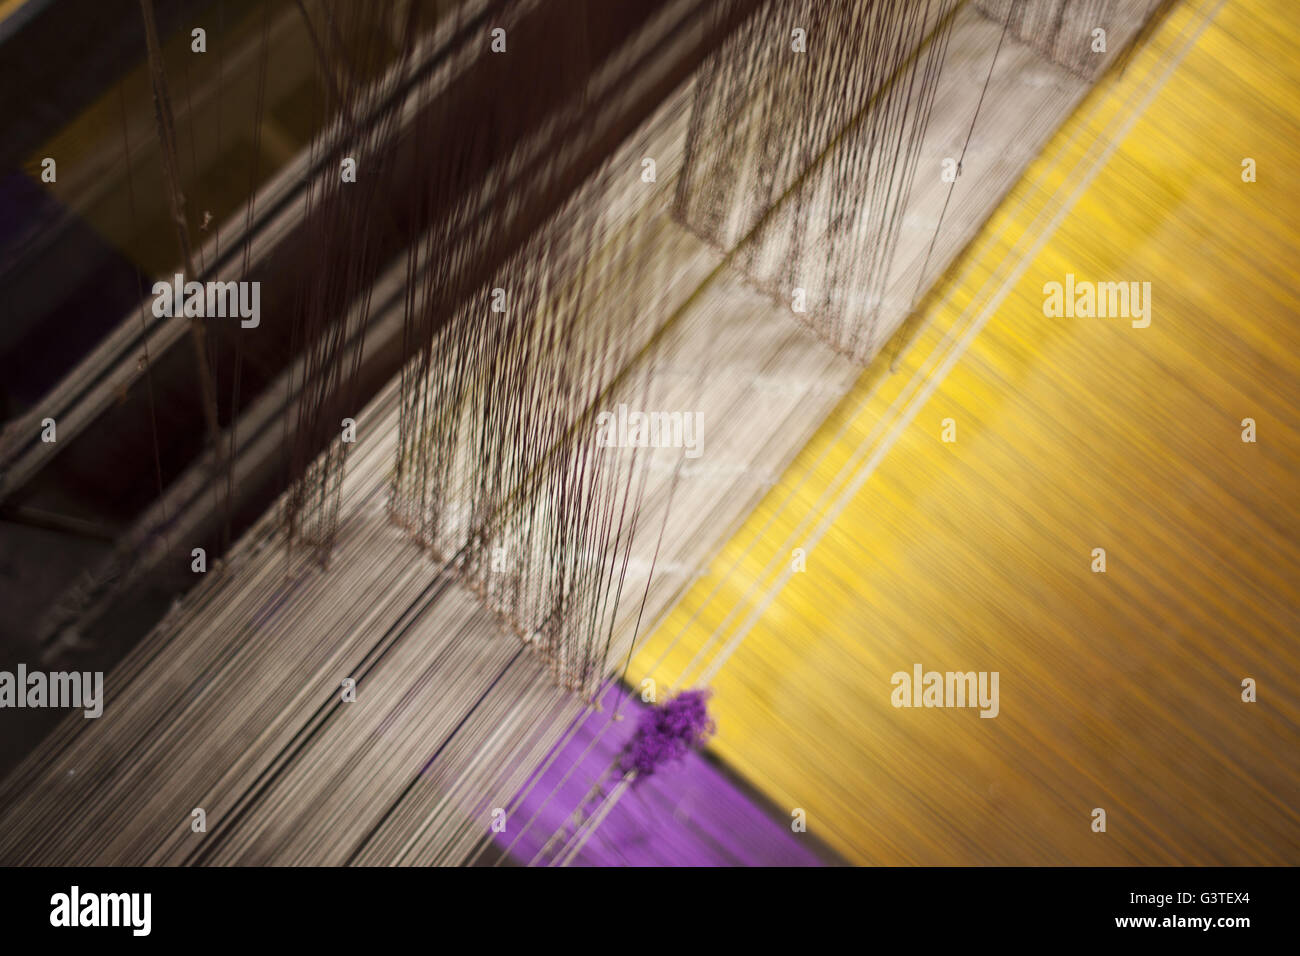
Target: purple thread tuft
{"x":668,"y":732}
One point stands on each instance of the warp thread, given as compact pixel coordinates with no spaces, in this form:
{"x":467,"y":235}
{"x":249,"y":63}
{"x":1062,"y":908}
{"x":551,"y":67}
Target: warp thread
{"x":802,"y":162}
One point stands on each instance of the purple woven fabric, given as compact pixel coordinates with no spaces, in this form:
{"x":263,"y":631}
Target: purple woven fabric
{"x":683,"y":812}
